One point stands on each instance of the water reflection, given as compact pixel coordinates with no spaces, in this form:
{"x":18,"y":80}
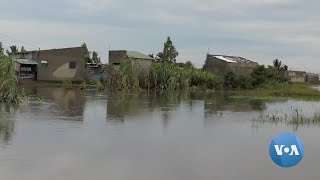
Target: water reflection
{"x":68,"y":103}
{"x":122,"y":104}
{"x":7,"y":123}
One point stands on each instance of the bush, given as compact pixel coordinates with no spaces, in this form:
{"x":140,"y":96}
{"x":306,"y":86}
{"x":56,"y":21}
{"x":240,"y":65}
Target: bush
{"x":230,"y":80}
{"x":259,"y":77}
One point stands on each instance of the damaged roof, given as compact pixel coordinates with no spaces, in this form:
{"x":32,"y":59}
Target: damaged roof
{"x":233,"y":59}
{"x":26,"y":61}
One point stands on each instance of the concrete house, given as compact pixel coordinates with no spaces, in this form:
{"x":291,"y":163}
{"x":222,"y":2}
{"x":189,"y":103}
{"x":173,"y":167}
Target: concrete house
{"x":53,"y":65}
{"x":141,"y":60}
{"x":220,"y":64}
{"x":297,"y":76}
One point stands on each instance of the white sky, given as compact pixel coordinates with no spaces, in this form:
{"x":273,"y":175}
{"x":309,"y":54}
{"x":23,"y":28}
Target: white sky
{"x":260,"y":30}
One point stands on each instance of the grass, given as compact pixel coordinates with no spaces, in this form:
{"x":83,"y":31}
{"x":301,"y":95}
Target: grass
{"x":276,"y":89}
{"x":295,"y":119}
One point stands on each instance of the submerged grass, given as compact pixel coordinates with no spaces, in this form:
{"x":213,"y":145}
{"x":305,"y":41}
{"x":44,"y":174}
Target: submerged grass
{"x":295,"y":119}
{"x":276,"y":89}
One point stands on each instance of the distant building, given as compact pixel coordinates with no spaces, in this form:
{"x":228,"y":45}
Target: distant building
{"x":297,"y":76}
{"x":220,"y":64}
{"x":118,"y":56}
{"x":52,"y":65}
{"x":312,"y":78}
{"x":141,"y":61}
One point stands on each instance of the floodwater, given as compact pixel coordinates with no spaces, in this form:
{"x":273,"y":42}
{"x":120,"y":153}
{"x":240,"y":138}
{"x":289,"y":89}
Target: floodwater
{"x":82,"y":135}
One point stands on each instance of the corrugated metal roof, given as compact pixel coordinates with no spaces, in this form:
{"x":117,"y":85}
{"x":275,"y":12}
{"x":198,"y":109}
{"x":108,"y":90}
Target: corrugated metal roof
{"x":26,"y":61}
{"x":137,"y":55}
{"x":225,"y":59}
{"x":233,"y":59}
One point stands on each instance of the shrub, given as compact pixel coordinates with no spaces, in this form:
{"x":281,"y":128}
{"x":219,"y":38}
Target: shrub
{"x":230,"y":80}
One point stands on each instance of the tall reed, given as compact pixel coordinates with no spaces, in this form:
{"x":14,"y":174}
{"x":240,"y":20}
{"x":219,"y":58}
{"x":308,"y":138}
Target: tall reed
{"x":9,"y":91}
{"x":128,"y":75}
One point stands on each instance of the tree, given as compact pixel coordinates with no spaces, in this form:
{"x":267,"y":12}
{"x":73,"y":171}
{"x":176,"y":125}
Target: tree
{"x":188,"y":65}
{"x":87,"y":53}
{"x":169,"y":52}
{"x":284,"y":68}
{"x":279,"y":66}
{"x":13,"y":49}
{"x":95,"y":58}
{"x":23,"y":50}
{"x":159,"y":57}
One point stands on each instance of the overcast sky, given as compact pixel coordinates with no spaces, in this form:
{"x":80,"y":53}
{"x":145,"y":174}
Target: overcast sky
{"x":260,"y":30}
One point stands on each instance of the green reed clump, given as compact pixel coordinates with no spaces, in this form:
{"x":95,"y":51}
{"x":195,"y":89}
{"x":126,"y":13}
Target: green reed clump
{"x":124,"y":76}
{"x":171,"y":76}
{"x":129,"y":75}
{"x":9,"y":91}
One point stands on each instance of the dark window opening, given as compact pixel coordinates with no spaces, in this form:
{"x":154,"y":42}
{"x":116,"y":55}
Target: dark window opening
{"x":116,"y":63}
{"x":72,"y":65}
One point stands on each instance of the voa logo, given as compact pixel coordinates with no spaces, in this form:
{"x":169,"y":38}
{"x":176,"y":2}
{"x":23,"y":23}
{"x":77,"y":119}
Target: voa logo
{"x":280,"y":149}
{"x":286,"y":150}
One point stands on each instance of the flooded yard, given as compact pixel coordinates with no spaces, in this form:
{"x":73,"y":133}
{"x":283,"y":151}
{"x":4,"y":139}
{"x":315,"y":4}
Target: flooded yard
{"x":81,"y":135}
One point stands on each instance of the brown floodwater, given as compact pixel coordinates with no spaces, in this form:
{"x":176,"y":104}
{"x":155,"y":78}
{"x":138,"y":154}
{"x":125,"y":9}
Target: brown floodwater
{"x":82,"y":135}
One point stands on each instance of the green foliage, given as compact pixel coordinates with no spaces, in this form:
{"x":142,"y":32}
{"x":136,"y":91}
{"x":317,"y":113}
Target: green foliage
{"x":22,"y":49}
{"x":258,"y":78}
{"x":13,"y":49}
{"x":261,"y":75}
{"x":87,"y":53}
{"x":244,"y":82}
{"x":159,"y":57}
{"x":279,"y":66}
{"x":9,"y":91}
{"x":1,"y":50}
{"x":161,"y":76}
{"x":230,"y":80}
{"x":170,"y":76}
{"x":274,"y":88}
{"x":124,"y":76}
{"x":187,"y":65}
{"x":169,"y":52}
{"x":95,"y":57}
